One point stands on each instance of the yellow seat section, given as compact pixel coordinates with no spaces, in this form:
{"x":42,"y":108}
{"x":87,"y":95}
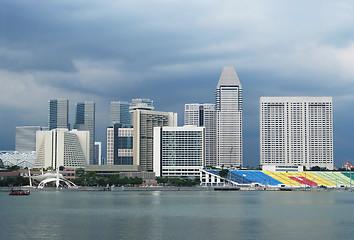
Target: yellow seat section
{"x":317,"y":179}
{"x":282,"y":178}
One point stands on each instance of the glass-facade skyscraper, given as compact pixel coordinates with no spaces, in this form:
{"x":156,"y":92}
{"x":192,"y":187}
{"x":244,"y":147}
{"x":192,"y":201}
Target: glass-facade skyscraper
{"x":26,"y":138}
{"x":85,"y":121}
{"x":228,"y":106}
{"x":58,"y":114}
{"x":119,"y":113}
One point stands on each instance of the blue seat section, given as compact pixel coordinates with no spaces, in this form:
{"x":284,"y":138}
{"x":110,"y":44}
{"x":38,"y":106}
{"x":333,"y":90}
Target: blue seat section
{"x":260,"y":177}
{"x":234,"y":177}
{"x":239,"y":178}
{"x":247,"y":177}
{"x":216,"y":172}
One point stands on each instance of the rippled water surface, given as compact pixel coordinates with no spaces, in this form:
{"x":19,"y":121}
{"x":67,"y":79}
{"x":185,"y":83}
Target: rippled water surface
{"x":177,"y":215}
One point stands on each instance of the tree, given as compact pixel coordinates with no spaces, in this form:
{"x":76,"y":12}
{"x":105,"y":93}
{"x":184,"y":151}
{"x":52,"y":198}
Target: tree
{"x":315,"y":168}
{"x":79,"y":172}
{"x":102,"y":181}
{"x":223,"y":173}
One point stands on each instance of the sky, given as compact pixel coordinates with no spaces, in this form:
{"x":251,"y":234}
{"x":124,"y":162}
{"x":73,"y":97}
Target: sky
{"x":173,"y":52}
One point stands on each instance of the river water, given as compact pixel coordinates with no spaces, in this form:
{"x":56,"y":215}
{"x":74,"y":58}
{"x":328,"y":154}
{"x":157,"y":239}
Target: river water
{"x":177,"y":215}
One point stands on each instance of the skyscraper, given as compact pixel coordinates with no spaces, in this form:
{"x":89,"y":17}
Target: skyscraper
{"x":296,"y":131}
{"x":119,"y":113}
{"x":228,"y":104}
{"x":204,"y":115}
{"x":26,"y":138}
{"x":58,"y":114}
{"x":85,"y":121}
{"x":144,"y":122}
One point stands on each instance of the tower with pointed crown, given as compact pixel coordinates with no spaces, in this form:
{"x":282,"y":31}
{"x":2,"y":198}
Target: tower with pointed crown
{"x":228,"y":104}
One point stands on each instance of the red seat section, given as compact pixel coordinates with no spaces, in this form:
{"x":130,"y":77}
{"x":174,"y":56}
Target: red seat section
{"x":302,"y":181}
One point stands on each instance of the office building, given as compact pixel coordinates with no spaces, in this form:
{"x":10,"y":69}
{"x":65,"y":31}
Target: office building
{"x":120,"y":145}
{"x":60,"y":147}
{"x":26,"y":138}
{"x":296,"y":131}
{"x":85,"y":121}
{"x":98,"y":153}
{"x":119,"y":113}
{"x":144,"y":122}
{"x":228,"y":106}
{"x":58,"y":114}
{"x":178,"y":151}
{"x":204,"y":115}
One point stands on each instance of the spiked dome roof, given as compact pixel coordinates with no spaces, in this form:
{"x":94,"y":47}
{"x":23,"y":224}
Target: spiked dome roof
{"x":229,"y":78}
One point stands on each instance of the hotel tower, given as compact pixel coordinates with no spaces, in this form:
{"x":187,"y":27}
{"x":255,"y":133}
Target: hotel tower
{"x":228,"y":106}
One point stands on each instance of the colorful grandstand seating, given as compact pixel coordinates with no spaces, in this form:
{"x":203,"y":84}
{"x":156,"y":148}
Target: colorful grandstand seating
{"x":313,"y":178}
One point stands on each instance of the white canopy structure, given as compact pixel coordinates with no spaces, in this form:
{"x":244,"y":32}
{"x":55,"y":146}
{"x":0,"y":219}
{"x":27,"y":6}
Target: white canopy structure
{"x":51,"y":177}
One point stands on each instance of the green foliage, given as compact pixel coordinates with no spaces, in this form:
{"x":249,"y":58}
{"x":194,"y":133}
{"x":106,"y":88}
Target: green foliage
{"x":315,"y":168}
{"x":79,"y":172}
{"x":223,"y":173}
{"x":178,"y":182}
{"x":93,"y":179}
{"x":13,"y":168}
{"x":14,"y":181}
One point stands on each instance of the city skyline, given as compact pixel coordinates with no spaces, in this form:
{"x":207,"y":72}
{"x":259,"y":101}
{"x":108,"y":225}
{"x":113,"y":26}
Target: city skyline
{"x":175,"y":59}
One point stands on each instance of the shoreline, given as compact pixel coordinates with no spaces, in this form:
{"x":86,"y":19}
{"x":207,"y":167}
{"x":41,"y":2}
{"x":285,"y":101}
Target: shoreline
{"x":209,"y":188}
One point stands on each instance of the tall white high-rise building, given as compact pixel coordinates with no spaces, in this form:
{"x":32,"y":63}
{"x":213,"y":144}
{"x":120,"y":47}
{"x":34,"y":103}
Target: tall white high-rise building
{"x":296,"y":131}
{"x":204,"y":115}
{"x":228,"y":105}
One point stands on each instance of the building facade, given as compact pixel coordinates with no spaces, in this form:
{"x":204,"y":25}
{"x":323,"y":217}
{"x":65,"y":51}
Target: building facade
{"x":144,"y":122}
{"x":98,"y":153}
{"x":296,"y":131}
{"x":58,"y":114}
{"x":119,"y":113}
{"x":228,"y":105}
{"x":179,"y":151}
{"x":26,"y":138}
{"x":85,"y":121}
{"x":120,"y":145}
{"x":60,"y":147}
{"x":204,"y":115}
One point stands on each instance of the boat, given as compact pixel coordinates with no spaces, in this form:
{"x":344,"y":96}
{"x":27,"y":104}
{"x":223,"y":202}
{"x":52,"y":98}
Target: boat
{"x":19,"y":192}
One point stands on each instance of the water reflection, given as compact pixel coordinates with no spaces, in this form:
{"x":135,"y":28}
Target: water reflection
{"x":177,"y":215}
